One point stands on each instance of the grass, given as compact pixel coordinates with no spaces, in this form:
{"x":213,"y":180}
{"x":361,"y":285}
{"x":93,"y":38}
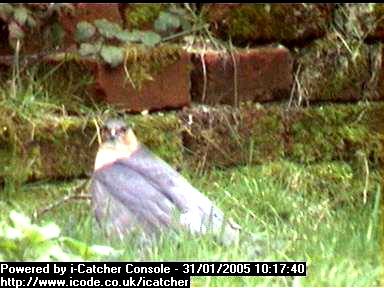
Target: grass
{"x":293,"y":214}
{"x":289,"y":212}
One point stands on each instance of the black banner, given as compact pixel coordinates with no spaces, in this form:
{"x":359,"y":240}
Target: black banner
{"x":134,"y":274}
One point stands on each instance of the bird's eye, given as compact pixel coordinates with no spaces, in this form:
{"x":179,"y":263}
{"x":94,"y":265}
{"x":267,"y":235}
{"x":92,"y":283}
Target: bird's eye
{"x":104,"y":131}
{"x":122,"y":130}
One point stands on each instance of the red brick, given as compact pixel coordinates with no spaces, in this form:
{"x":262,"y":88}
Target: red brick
{"x":168,"y":89}
{"x":262,"y":74}
{"x":371,"y":20}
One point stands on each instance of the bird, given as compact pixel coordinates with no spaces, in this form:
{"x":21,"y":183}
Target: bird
{"x":132,"y":188}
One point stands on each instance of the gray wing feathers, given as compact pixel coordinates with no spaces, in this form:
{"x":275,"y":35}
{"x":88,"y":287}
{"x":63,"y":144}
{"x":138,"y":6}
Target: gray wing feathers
{"x":174,"y":186}
{"x":196,"y":208}
{"x":129,"y":198}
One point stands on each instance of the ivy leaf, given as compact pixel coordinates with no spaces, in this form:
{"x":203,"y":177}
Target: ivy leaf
{"x":61,"y":7}
{"x":107,"y":29}
{"x":54,"y":34}
{"x":128,"y":37}
{"x":166,"y":21}
{"x":150,"y":38}
{"x":185,"y":24}
{"x":84,"y":31}
{"x":178,"y":11}
{"x":21,"y":15}
{"x":5,"y":11}
{"x":113,"y":55}
{"x":87,"y":49}
{"x":20,"y":240}
{"x":15,"y":32}
{"x":31,"y":22}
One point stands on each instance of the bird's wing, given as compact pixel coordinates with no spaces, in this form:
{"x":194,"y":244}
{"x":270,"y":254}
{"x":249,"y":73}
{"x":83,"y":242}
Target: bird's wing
{"x":173,"y":186}
{"x":125,"y":198}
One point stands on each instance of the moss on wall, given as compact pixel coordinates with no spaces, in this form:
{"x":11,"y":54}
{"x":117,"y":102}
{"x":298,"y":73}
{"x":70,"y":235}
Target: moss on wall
{"x":141,"y":17}
{"x":226,"y":136}
{"x":62,"y":147}
{"x":334,"y":132}
{"x":143,"y":63}
{"x":161,"y":133}
{"x":265,"y":23}
{"x":253,"y":135}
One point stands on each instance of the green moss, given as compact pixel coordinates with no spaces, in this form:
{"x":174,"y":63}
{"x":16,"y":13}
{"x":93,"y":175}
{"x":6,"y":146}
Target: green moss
{"x":246,"y":18}
{"x":141,"y":16}
{"x":335,"y":132}
{"x":241,"y":18}
{"x":379,"y":13}
{"x":226,"y":137}
{"x":272,"y":22}
{"x":143,"y":63}
{"x":254,"y":135}
{"x":334,"y":181}
{"x":49,"y":147}
{"x":160,"y":133}
{"x":266,"y":136}
{"x":62,"y":147}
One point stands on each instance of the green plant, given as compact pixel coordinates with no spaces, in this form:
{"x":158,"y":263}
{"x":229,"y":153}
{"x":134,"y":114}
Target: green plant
{"x":174,"y":18}
{"x":107,"y":40}
{"x":20,"y":240}
{"x":102,"y":39}
{"x":18,"y":19}
{"x":22,"y":19}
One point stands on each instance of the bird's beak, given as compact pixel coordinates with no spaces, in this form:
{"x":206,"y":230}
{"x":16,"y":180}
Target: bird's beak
{"x":113,"y":134}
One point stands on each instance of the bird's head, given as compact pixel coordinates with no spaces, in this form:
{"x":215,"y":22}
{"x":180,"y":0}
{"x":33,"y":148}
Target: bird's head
{"x":118,"y":141}
{"x":114,"y":130}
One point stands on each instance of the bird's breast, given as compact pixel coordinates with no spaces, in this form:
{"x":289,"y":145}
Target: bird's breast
{"x":107,"y":156}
